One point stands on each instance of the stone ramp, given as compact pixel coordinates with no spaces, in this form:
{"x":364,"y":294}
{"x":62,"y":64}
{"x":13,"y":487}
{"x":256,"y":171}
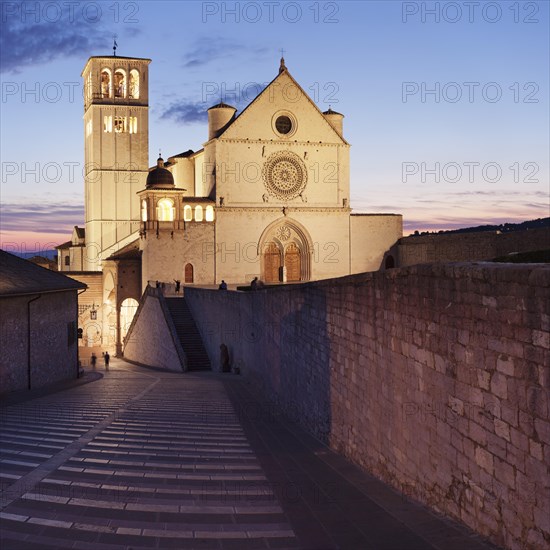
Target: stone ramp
{"x":189,"y":335}
{"x":169,"y":469}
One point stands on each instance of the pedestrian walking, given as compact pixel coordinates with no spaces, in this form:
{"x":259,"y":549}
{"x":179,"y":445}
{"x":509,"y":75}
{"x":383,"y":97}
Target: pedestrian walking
{"x":93,"y":360}
{"x":106,"y":358}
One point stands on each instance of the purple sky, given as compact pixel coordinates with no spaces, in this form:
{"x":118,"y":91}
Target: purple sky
{"x":446,"y":103}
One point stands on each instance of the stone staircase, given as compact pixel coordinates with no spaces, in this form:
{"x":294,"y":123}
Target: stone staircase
{"x":189,"y":336}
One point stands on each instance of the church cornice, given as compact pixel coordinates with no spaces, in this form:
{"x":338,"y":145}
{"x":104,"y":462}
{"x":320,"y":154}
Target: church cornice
{"x":283,"y":143}
{"x":287,"y":209}
{"x":113,"y":58}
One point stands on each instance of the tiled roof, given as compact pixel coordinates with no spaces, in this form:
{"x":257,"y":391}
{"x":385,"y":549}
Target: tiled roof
{"x":20,"y":277}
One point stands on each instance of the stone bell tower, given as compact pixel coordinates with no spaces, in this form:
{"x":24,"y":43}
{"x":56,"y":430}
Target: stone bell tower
{"x":116,"y":148}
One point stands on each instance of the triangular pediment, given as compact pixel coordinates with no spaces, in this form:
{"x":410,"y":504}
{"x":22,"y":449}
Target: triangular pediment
{"x":283,"y":96}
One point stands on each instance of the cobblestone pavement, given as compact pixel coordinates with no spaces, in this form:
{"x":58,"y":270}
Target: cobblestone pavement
{"x":148,"y":459}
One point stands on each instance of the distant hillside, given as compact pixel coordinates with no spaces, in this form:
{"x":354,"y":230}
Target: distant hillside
{"x":50,"y":254}
{"x":503,"y":228}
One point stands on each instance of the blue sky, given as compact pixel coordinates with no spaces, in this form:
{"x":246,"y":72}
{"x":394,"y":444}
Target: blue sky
{"x":474,"y":150}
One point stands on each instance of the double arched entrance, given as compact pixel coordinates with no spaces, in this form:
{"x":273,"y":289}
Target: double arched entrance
{"x":285,"y":251}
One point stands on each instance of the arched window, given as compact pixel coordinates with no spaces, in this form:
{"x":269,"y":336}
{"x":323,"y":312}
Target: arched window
{"x":134,"y":84}
{"x":189,"y":275}
{"x":209,"y":215}
{"x":105,"y":83}
{"x":128,"y":309}
{"x":187,"y":213}
{"x":165,"y":210}
{"x":67,"y":260}
{"x":143,"y":210}
{"x":120,"y":83}
{"x":198,"y":213}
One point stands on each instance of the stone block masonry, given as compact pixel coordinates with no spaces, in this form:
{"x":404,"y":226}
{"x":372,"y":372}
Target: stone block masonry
{"x":435,"y":378}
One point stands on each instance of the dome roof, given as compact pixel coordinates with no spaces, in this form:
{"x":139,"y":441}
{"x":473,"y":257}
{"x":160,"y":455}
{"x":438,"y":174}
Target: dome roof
{"x":222,"y":105}
{"x":160,"y":177}
{"x":331,"y":112}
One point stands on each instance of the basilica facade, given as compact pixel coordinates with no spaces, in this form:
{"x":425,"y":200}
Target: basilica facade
{"x":267,"y":196}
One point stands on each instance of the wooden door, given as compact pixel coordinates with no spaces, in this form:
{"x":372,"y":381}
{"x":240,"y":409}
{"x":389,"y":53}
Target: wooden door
{"x":293,"y":263}
{"x":272,"y":263}
{"x":188,"y":275}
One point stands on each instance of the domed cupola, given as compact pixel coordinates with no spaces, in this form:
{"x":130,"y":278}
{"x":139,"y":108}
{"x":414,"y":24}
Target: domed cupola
{"x":160,"y":177}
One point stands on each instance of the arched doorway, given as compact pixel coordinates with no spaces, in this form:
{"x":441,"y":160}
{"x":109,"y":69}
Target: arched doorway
{"x":128,"y":309}
{"x":189,"y":274}
{"x":272,"y":263}
{"x":293,"y":263}
{"x":285,"y":248}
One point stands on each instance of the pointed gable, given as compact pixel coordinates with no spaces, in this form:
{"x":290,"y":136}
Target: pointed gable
{"x":283,"y":96}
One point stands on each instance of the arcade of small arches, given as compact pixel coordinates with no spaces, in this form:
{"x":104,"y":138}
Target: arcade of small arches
{"x":118,"y":85}
{"x":165,"y":211}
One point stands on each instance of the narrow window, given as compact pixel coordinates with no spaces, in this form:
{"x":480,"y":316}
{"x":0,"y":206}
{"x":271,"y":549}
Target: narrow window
{"x":107,"y":123}
{"x":120,"y":83}
{"x":105,"y":83}
{"x":134,"y":84}
{"x":143,"y":210}
{"x":132,"y":124}
{"x":198,"y":213}
{"x":187,"y":213}
{"x":209,"y":215}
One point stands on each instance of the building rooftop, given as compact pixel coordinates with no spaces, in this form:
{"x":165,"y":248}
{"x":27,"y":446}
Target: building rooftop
{"x":19,"y":277}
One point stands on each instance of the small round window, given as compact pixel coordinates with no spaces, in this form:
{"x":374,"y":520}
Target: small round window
{"x":283,"y":124}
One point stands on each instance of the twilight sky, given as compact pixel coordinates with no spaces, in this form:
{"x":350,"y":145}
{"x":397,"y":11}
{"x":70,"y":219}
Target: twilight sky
{"x":446,"y":103}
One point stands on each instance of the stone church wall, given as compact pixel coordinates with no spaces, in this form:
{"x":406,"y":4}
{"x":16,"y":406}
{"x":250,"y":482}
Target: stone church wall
{"x":53,"y":346}
{"x":435,"y":378}
{"x":371,"y":236}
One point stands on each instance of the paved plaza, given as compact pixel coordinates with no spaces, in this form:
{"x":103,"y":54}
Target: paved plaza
{"x":142,"y":458}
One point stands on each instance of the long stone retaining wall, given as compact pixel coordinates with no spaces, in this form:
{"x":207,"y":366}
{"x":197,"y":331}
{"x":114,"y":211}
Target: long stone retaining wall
{"x":435,"y":378}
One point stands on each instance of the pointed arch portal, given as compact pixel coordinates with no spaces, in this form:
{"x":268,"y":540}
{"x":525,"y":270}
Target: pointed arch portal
{"x":285,"y":249}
